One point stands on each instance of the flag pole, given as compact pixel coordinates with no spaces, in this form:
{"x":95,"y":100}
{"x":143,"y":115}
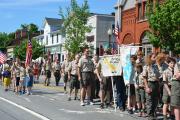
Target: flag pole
{"x":118,"y":21}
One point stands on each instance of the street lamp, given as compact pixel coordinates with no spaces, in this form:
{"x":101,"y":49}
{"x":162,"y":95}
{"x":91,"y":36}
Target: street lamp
{"x":109,"y":34}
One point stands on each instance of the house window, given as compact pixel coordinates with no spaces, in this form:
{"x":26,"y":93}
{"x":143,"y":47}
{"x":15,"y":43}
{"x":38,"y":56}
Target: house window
{"x":46,"y":40}
{"x":140,"y":16}
{"x":57,"y":40}
{"x":52,"y":39}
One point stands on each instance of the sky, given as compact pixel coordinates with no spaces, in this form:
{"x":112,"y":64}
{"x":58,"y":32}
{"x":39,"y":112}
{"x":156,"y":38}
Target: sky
{"x":13,"y":13}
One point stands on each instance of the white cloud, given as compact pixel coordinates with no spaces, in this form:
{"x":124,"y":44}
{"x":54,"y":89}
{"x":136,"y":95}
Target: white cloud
{"x":17,"y":3}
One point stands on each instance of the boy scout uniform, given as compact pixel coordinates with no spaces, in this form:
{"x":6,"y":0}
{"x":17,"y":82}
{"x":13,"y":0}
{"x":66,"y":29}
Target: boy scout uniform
{"x":175,"y":88}
{"x":65,"y":66}
{"x":152,"y":74}
{"x":87,"y":68}
{"x":140,"y":92}
{"x":47,"y":68}
{"x":105,"y":85}
{"x":73,"y":68}
{"x":57,"y":75}
{"x":168,"y":73}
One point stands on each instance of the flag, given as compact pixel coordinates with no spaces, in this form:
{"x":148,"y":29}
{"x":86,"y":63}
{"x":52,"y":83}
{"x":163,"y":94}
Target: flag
{"x":3,"y":57}
{"x":116,"y":32}
{"x":28,"y":53}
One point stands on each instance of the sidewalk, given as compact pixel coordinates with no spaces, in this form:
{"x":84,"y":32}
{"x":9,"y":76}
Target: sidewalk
{"x":52,"y":85}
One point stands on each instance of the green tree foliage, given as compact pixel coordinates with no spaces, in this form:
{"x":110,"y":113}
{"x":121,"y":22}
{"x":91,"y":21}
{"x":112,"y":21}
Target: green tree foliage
{"x":6,"y":39}
{"x":32,"y":28}
{"x":20,"y":51}
{"x":74,"y":26}
{"x":164,"y":22}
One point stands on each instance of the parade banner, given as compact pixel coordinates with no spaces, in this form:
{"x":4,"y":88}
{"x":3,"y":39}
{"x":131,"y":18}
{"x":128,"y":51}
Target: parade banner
{"x":126,"y":52}
{"x":111,"y":65}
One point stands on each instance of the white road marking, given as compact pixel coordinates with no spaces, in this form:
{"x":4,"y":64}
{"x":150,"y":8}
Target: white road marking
{"x":85,"y":112}
{"x":26,"y":109}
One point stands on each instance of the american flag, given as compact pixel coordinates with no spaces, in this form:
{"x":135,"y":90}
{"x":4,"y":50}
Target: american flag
{"x":116,"y":32}
{"x":3,"y":57}
{"x":28,"y":53}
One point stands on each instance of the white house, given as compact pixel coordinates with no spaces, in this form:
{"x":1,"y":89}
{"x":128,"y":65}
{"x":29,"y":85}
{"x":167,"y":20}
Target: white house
{"x":52,"y":40}
{"x":101,"y":34}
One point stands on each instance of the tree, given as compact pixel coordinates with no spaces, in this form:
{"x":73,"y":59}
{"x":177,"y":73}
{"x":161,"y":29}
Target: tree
{"x":5,"y":39}
{"x":32,"y":28}
{"x":20,"y":51}
{"x":74,"y":26}
{"x":164,"y":22}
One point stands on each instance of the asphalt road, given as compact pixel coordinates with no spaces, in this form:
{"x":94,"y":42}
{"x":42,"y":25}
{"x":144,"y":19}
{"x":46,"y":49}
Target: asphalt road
{"x":49,"y":103}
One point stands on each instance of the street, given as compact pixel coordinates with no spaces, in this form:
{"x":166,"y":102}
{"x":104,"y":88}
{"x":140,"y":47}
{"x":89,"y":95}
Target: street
{"x":49,"y":103}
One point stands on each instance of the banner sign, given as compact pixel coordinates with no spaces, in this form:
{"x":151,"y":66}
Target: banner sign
{"x":126,"y":52}
{"x":111,"y":65}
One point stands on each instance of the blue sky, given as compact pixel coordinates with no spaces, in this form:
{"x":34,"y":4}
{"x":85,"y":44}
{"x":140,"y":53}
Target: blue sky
{"x":13,"y":13}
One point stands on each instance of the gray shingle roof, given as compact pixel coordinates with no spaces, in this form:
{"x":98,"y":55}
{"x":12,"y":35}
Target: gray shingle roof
{"x":53,"y":21}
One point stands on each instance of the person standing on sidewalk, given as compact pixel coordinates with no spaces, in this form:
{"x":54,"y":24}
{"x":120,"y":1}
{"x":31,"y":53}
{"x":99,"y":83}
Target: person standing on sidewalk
{"x":57,"y":72}
{"x":48,"y":72}
{"x":140,"y":91}
{"x":97,"y":83}
{"x":17,"y":69}
{"x":65,"y":68}
{"x":151,"y":76}
{"x":85,"y":75}
{"x":36,"y":72}
{"x":73,"y":77}
{"x":13,"y":76}
{"x":29,"y":79}
{"x":175,"y":91}
{"x":6,"y":76}
{"x":167,"y":79}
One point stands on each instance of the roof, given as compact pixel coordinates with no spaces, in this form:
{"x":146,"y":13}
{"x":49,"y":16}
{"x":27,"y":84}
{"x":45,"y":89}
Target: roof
{"x":97,"y":14}
{"x":53,"y":21}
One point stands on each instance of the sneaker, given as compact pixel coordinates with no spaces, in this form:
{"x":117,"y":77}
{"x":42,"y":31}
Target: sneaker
{"x":88,"y":103}
{"x":121,"y":109}
{"x":82,"y":104}
{"x":102,"y":106}
{"x":69,"y":99}
{"x":136,"y":111}
{"x":107,"y":105}
{"x":130,"y":111}
{"x":75,"y":98}
{"x":91,"y":103}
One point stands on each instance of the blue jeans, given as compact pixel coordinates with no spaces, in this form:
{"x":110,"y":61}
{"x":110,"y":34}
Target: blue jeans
{"x":121,"y":91}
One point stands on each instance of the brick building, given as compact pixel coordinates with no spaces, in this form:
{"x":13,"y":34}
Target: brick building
{"x":134,"y":24}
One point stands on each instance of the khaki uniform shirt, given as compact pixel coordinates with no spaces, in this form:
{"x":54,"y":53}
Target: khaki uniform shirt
{"x":22,"y":73}
{"x":17,"y":71}
{"x":168,"y":75}
{"x":47,"y":66}
{"x":73,"y":67}
{"x":65,"y":66}
{"x":139,"y":79}
{"x":57,"y":66}
{"x":151,"y":72}
{"x":86,"y":64}
{"x":29,"y":71}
